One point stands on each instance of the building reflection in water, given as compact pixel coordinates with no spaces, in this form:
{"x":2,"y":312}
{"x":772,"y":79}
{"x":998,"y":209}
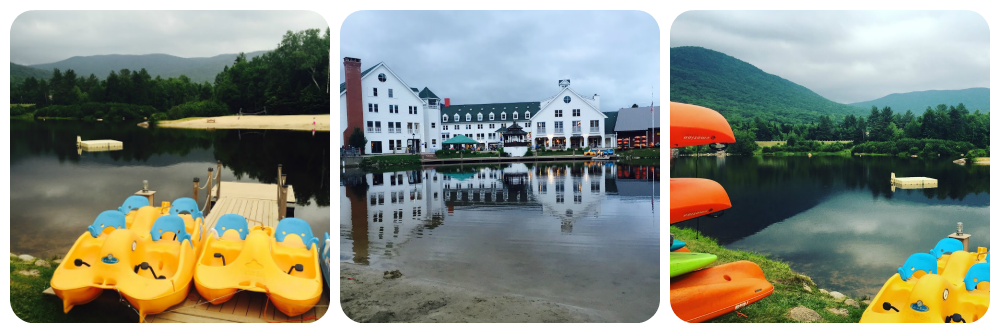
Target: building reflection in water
{"x":388,"y":208}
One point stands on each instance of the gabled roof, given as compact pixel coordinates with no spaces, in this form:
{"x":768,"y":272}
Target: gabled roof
{"x":485,"y":109}
{"x":415,"y":89}
{"x":343,"y":85}
{"x":426,"y":93}
{"x":637,"y":119}
{"x":587,"y":100}
{"x":609,"y":124}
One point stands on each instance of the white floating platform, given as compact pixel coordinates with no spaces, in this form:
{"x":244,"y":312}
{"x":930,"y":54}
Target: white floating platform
{"x":101,"y":145}
{"x":914,"y":182}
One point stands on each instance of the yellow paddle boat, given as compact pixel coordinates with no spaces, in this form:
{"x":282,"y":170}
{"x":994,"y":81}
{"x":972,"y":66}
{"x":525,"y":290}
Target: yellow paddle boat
{"x":126,"y":250}
{"x":947,"y":285}
{"x":282,"y":262}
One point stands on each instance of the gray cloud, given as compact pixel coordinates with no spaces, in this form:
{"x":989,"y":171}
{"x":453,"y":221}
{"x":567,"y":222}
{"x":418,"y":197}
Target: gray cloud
{"x":849,"y":56}
{"x":512,"y":56}
{"x":38,"y":37}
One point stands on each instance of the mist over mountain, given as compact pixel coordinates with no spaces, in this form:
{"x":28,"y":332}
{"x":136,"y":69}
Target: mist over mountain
{"x":202,"y":69}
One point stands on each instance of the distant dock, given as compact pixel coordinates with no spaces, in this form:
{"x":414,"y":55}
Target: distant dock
{"x":913,"y":182}
{"x":98,"y":145}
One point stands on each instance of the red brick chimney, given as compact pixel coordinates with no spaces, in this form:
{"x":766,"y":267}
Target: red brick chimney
{"x":447,"y":102}
{"x":355,"y":110}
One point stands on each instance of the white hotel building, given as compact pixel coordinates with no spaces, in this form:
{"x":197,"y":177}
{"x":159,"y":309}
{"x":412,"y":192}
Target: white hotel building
{"x":397,"y":117}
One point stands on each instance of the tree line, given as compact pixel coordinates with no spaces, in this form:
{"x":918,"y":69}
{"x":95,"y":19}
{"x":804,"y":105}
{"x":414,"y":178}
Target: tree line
{"x":292,"y":79}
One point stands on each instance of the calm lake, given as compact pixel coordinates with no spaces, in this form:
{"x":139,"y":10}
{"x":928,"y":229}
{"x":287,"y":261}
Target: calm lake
{"x":56,"y":192}
{"x":582,"y":234}
{"x":836,"y":218}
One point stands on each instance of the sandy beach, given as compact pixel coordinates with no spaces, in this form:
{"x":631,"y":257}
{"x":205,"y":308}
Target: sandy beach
{"x":294,"y":122}
{"x":367,"y":296}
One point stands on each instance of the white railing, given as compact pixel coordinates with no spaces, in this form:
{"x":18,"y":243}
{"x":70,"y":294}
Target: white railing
{"x":541,"y":130}
{"x":371,"y":130}
{"x":577,"y":129}
{"x":559,"y":131}
{"x":595,"y":129}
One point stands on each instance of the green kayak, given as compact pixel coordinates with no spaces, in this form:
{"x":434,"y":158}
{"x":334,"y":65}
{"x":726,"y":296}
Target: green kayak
{"x":685,"y":262}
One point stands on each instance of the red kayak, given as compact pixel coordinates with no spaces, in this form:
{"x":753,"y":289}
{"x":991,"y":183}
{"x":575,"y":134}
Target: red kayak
{"x":694,"y":197}
{"x":692,"y":125}
{"x":708,"y":293}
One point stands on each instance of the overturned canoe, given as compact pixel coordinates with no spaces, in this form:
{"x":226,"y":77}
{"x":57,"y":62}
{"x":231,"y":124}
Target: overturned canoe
{"x":692,"y":125}
{"x":681,"y":262}
{"x":714,"y":291}
{"x":694,"y":197}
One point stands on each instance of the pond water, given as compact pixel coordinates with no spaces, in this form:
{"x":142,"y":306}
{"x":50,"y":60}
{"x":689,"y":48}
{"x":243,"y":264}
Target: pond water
{"x":582,"y":234}
{"x":57,"y":192}
{"x":836,"y":218}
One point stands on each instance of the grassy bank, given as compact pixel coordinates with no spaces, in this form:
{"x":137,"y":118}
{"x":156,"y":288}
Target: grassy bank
{"x":639,"y":153}
{"x":387,"y":163}
{"x":29,"y":304}
{"x":845,"y":152}
{"x":789,"y":290}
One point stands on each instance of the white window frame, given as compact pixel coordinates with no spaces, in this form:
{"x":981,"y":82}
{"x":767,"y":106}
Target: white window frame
{"x":515,"y":115}
{"x":503,"y":115}
{"x":480,"y":117}
{"x":491,"y":116}
{"x":444,"y":118}
{"x":457,"y":118}
{"x":468,"y":117}
{"x":527,"y":115}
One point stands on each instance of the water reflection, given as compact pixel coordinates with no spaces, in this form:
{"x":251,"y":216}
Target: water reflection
{"x":837,"y":219}
{"x":56,"y":192}
{"x":569,"y":232}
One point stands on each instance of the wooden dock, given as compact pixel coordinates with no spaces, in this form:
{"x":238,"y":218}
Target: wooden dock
{"x":257,"y":202}
{"x":912,"y":182}
{"x":98,"y":145}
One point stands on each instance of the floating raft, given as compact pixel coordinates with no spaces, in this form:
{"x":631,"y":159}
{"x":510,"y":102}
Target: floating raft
{"x":100,"y":145}
{"x":913,"y":182}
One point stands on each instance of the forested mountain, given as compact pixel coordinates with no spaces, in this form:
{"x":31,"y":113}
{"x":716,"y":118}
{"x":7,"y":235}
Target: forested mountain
{"x":18,"y":73}
{"x":741,"y":91}
{"x":166,"y":66}
{"x":917,"y":101}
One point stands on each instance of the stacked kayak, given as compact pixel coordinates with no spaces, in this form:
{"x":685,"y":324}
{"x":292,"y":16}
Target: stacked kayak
{"x":947,"y":285}
{"x":714,"y":291}
{"x":698,"y":294}
{"x":695,"y":197}
{"x":145,"y":253}
{"x":282,"y":262}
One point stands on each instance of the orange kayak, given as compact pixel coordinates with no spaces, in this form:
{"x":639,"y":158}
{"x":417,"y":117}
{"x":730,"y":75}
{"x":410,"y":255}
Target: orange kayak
{"x":683,"y":249}
{"x":708,"y":293}
{"x":694,"y":197}
{"x":692,"y":125}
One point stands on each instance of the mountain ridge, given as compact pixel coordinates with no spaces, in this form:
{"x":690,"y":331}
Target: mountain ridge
{"x":976,"y":98}
{"x":198,"y":69}
{"x":741,"y":91}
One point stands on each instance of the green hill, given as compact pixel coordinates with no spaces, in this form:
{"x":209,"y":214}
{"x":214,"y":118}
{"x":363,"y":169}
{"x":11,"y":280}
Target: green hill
{"x":19,"y":73}
{"x":918,"y":101}
{"x":739,"y":90}
{"x":165,"y":65}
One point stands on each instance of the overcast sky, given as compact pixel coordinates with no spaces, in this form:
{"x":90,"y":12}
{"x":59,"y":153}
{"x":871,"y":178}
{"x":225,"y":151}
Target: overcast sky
{"x":39,"y":37}
{"x":849,"y":56}
{"x":512,"y":56}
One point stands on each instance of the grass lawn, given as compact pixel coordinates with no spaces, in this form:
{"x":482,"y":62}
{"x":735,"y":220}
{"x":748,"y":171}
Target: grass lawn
{"x":30,"y":305}
{"x":788,"y":286}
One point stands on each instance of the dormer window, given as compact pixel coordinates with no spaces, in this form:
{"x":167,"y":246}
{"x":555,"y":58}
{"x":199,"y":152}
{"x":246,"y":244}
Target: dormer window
{"x":503,"y":116}
{"x":457,"y":118}
{"x":515,"y":115}
{"x":479,"y":117}
{"x":527,"y":115}
{"x":468,"y":117}
{"x":444,"y":118}
{"x":491,"y":116}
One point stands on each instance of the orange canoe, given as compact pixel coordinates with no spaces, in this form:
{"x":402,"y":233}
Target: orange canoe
{"x":702,"y":295}
{"x":692,"y":125}
{"x":694,"y":197}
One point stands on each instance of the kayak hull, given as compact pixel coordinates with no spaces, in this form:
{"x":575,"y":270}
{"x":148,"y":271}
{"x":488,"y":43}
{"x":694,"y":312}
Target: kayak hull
{"x":692,"y":125}
{"x":694,"y":197}
{"x":681,"y":262}
{"x":712,"y":292}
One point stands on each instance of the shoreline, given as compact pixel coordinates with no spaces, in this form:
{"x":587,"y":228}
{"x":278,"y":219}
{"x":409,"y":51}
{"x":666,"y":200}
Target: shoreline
{"x":367,"y":295}
{"x":284,"y":122}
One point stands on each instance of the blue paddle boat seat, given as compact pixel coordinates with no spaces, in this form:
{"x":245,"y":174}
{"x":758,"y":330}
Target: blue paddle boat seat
{"x":918,"y":262}
{"x":170,"y":223}
{"x":977,"y":273}
{"x":291,"y":225}
{"x":132,"y":203}
{"x":107,"y":219}
{"x":232,"y":222}
{"x":946,"y":246}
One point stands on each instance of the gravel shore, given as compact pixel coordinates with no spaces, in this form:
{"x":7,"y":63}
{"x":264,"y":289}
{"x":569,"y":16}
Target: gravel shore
{"x":370,"y":295}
